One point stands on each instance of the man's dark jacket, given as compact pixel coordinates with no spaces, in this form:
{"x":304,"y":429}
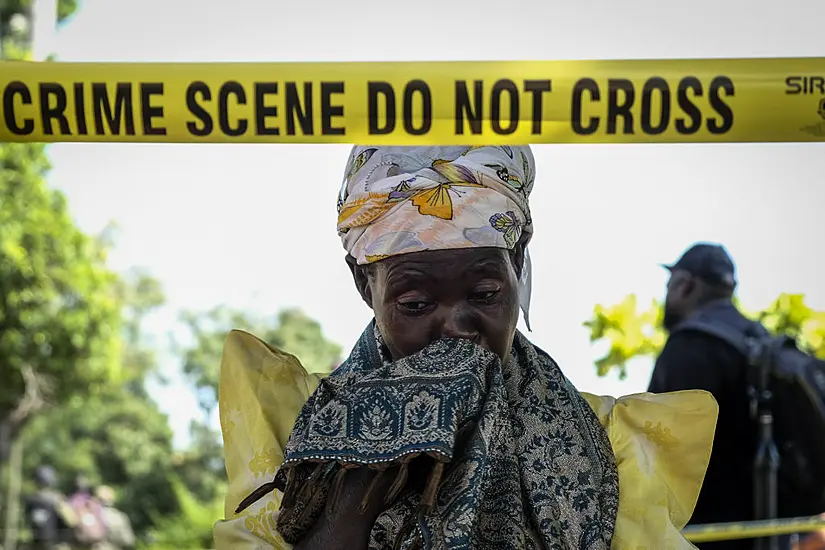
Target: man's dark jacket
{"x":693,"y":360}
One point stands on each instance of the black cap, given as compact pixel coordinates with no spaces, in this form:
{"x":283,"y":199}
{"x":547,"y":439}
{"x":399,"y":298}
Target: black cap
{"x":710,"y":262}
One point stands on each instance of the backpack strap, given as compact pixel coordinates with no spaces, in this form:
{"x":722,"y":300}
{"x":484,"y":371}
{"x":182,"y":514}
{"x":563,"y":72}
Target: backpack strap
{"x":735,"y":338}
{"x":752,"y":342}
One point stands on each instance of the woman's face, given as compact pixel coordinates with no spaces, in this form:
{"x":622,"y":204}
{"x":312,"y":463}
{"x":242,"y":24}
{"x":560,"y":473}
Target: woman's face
{"x":426,"y":296}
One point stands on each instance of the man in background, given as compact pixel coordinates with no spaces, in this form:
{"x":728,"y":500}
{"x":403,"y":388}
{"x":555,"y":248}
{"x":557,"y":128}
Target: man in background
{"x":703,"y":281}
{"x":48,"y":513}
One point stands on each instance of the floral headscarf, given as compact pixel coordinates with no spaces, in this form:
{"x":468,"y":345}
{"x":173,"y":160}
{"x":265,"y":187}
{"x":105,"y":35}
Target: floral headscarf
{"x":398,"y":200}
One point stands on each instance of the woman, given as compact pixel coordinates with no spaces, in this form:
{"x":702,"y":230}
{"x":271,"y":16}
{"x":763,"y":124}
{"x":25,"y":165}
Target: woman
{"x":446,"y":427}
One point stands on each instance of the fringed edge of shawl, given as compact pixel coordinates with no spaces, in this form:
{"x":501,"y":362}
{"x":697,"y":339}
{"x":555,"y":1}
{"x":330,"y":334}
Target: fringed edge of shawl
{"x":305,"y":496}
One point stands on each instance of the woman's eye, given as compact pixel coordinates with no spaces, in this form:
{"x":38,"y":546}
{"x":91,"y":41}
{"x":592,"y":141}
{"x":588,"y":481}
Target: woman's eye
{"x":414,"y":306}
{"x":484,"y":295}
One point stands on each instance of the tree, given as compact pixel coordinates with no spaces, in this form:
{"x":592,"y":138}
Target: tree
{"x":292,"y":332}
{"x":11,"y":8}
{"x":201,"y":467}
{"x":59,"y":313}
{"x":192,"y":528}
{"x":120,"y":438}
{"x":72,"y":350}
{"x":116,"y":436}
{"x":59,"y":319}
{"x":632,"y":334}
{"x":140,"y":294}
{"x":199,"y":479}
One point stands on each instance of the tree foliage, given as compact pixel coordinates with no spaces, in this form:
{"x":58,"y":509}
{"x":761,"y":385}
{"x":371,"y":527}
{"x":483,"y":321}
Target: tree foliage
{"x":59,"y":310}
{"x":118,"y":439}
{"x":191,"y":529}
{"x":633,"y":333}
{"x":201,"y":466}
{"x":292,"y":331}
{"x":116,"y":436}
{"x":140,"y":294}
{"x":59,"y":315}
{"x":71,"y":334}
{"x":10,"y":8}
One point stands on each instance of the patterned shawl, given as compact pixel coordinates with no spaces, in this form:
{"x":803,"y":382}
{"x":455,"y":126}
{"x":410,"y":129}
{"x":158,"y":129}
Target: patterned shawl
{"x":519,"y":458}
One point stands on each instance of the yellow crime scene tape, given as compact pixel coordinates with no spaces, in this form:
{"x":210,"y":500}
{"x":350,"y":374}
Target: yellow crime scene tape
{"x":714,"y":532}
{"x":467,"y":103}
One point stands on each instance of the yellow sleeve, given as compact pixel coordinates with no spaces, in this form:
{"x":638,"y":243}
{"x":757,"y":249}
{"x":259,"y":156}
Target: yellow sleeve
{"x":261,"y":393}
{"x":662,"y":445}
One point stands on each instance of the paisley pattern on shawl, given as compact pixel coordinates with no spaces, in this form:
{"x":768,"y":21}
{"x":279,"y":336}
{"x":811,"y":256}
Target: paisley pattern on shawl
{"x":526,"y":463}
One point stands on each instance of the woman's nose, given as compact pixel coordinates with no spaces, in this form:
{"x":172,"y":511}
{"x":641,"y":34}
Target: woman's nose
{"x":458,"y":324}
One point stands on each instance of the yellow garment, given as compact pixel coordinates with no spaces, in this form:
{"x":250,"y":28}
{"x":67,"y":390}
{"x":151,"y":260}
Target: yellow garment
{"x":662,"y":445}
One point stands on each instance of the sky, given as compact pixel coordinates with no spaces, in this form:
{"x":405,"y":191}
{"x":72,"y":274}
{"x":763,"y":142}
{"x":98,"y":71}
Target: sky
{"x":253,"y":226}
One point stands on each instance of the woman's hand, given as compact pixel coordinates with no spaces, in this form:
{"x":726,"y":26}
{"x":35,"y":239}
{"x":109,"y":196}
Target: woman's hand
{"x":341,"y":526}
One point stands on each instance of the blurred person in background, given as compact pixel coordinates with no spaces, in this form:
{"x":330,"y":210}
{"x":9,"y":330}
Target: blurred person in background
{"x":90,"y":529}
{"x":704,"y":280}
{"x":48,"y":513}
{"x":712,"y":346}
{"x":119,"y":534}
